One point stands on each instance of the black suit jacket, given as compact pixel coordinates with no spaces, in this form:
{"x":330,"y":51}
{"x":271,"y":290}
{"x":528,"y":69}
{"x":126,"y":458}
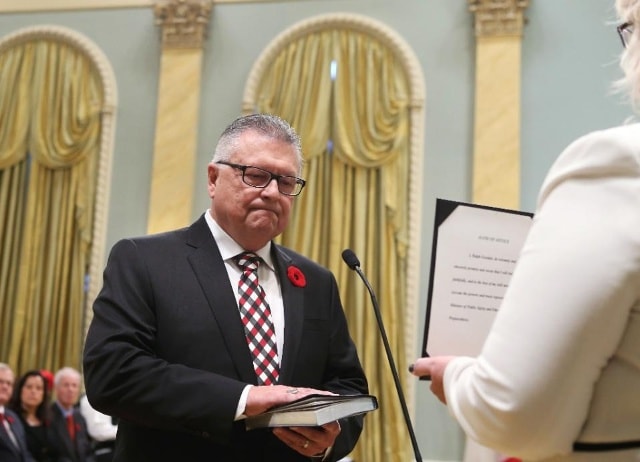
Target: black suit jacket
{"x":67,"y":450}
{"x":166,"y":350}
{"x":8,"y":451}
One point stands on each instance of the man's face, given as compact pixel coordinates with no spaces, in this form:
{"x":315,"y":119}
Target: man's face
{"x":68,"y":391}
{"x":6,"y":386}
{"x":252,"y":216}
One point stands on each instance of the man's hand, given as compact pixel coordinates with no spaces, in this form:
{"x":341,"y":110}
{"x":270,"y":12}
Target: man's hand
{"x":309,"y":441}
{"x":264,"y":397}
{"x":434,"y":367}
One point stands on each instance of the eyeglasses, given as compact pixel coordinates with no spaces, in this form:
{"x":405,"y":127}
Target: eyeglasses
{"x":259,"y":178}
{"x":625,"y":31}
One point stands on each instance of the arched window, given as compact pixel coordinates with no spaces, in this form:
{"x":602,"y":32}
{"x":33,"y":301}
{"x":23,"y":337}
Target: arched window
{"x":57,"y":101}
{"x":354,"y":91}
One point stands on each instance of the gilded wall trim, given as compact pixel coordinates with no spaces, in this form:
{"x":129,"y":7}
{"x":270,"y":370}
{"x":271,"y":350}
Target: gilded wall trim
{"x":24,"y":6}
{"x":498,"y":17}
{"x":183,"y":22}
{"x":496,"y":141}
{"x":175,"y":141}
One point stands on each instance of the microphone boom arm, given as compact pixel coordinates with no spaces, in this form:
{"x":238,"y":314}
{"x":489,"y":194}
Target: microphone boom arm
{"x":387,"y":348}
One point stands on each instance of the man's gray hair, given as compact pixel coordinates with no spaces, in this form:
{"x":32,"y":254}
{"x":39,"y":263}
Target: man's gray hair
{"x":267,"y":124}
{"x":65,"y":372}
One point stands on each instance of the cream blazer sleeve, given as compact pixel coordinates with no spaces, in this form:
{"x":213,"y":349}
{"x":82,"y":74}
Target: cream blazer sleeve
{"x":567,"y":334}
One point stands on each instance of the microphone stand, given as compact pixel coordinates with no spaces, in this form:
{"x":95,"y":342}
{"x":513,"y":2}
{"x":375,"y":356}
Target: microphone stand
{"x":352,"y":261}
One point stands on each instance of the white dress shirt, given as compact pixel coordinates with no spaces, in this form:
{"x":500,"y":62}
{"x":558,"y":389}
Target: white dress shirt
{"x":99,"y":426}
{"x":267,"y":278}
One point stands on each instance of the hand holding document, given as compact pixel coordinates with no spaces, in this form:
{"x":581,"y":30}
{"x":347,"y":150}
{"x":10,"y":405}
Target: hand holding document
{"x":475,"y":249}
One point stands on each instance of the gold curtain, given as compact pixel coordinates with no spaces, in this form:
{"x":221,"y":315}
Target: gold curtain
{"x":50,"y":101}
{"x":355,"y":135}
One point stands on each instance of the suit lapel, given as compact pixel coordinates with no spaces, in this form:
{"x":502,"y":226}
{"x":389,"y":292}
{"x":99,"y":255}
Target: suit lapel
{"x":292,"y":299}
{"x":6,"y":440}
{"x":19,"y":434}
{"x":60,"y":426}
{"x":211,"y":273}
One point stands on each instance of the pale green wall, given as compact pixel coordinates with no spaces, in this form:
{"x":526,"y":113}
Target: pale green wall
{"x":569,"y":59}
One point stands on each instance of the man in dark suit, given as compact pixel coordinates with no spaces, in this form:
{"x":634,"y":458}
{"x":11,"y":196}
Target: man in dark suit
{"x":69,"y":429}
{"x":169,"y":350}
{"x":13,"y":440}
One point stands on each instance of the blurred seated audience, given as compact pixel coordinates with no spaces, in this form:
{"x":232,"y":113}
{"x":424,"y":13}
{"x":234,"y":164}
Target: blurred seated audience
{"x":69,"y":427}
{"x":13,"y":441}
{"x":30,"y":401}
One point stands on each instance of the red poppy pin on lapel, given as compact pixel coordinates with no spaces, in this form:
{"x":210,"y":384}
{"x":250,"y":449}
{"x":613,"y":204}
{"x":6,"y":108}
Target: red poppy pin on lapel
{"x":296,"y":276}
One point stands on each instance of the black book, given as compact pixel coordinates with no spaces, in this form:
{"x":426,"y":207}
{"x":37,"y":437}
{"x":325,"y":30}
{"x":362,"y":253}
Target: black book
{"x":313,"y":410}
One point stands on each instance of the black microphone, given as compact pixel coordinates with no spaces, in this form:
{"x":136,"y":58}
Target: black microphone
{"x":352,"y":262}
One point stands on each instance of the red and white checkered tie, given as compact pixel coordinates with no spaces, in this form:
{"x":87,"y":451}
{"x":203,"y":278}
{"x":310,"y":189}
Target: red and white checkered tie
{"x":256,"y":318}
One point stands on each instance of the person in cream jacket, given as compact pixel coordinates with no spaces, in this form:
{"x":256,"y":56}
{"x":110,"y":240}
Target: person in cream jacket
{"x":558,"y":377}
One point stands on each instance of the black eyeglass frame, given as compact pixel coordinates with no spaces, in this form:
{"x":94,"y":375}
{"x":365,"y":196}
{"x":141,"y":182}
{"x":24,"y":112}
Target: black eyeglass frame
{"x":272,"y":176}
{"x":624,"y":32}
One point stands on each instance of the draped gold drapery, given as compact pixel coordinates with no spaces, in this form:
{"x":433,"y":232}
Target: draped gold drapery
{"x":50,"y":102}
{"x":355,"y":134}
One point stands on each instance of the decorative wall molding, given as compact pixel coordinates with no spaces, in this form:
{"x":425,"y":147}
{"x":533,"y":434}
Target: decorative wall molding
{"x":183,"y":22}
{"x":184,"y":26}
{"x":24,"y":6}
{"x":498,"y":17}
{"x":496,"y":141}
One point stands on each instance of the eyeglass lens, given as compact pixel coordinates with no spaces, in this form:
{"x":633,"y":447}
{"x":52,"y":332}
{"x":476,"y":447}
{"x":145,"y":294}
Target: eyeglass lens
{"x":259,"y":178}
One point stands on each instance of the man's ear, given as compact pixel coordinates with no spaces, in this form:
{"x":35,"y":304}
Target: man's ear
{"x":212,"y":178}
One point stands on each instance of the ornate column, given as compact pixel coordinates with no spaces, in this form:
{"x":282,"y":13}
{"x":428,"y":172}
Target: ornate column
{"x":496,"y":157}
{"x":183,"y":24}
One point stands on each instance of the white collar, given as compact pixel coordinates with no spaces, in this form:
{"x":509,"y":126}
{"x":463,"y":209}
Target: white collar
{"x":230,"y":248}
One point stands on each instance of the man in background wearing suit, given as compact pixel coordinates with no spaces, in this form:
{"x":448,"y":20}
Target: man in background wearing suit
{"x":171,"y":351}
{"x":13,"y":442}
{"x":69,"y":427}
